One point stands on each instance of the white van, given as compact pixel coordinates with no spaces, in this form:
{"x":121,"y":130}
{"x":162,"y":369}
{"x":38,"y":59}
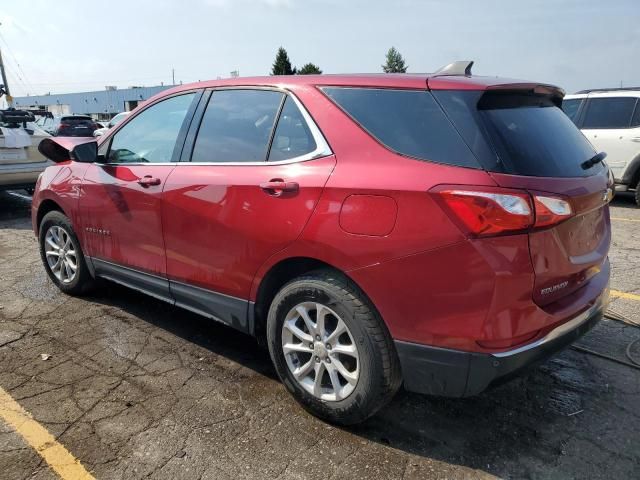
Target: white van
{"x":610,"y":119}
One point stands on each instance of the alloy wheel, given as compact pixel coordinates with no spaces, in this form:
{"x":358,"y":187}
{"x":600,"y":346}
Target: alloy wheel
{"x":61,"y":254}
{"x":320,"y":351}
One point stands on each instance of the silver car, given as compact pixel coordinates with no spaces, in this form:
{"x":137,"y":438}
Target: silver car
{"x":20,"y":160}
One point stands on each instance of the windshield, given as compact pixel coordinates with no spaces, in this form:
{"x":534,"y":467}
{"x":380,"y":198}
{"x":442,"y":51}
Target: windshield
{"x":117,"y":119}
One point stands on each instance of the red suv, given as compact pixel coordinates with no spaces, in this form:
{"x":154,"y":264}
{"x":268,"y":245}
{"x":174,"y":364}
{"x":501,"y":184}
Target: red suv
{"x":440,"y":230}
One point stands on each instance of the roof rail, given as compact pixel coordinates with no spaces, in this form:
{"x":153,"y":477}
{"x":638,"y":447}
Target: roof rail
{"x":614,"y":89}
{"x":461,"y":67}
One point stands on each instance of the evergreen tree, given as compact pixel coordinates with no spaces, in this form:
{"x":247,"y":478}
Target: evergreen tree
{"x":282,"y":65}
{"x":309,"y":69}
{"x":395,"y":62}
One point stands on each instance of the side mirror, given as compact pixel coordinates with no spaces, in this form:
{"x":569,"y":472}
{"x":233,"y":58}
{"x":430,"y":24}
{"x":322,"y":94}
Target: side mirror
{"x":63,"y":149}
{"x":85,"y":152}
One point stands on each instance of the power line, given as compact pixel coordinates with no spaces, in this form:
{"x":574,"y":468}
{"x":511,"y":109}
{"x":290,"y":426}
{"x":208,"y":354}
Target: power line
{"x":15,"y":60}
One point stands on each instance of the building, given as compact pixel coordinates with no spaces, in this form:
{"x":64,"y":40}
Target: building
{"x":101,"y":104}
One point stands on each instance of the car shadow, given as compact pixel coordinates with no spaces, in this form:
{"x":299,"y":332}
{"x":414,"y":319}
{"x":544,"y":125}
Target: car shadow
{"x":530,"y":416}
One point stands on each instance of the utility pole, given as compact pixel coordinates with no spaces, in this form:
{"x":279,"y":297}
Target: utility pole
{"x":173,"y":76}
{"x":8,"y":97}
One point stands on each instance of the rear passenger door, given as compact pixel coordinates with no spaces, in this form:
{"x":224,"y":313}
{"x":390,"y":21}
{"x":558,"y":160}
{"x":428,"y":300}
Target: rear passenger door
{"x":252,"y":172}
{"x":607,"y":123}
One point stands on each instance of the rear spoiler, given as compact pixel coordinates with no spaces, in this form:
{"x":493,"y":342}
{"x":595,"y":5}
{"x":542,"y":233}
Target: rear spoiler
{"x":551,"y":92}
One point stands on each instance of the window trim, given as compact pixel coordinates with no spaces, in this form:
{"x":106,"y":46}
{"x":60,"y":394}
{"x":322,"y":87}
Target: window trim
{"x":322,"y":147}
{"x":180,"y":139}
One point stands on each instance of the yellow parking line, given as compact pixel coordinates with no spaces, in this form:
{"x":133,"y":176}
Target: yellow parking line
{"x":59,"y":459}
{"x":625,"y":219}
{"x":628,"y":296}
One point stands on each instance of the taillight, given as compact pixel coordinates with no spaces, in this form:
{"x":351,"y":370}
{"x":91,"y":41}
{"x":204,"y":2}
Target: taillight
{"x":495,"y":211}
{"x":550,"y":210}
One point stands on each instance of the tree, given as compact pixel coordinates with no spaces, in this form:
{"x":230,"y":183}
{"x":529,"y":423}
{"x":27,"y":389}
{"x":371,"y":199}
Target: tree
{"x":282,"y":65}
{"x":395,"y":62}
{"x":309,"y":69}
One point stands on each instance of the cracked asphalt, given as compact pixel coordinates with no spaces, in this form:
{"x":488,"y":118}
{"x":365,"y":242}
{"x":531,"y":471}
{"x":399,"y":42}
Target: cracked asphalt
{"x":137,"y":389}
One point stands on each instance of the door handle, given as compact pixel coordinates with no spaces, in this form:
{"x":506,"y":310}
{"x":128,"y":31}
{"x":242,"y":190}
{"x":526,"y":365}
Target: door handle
{"x":277,"y":186}
{"x":635,"y":139}
{"x":148,"y":181}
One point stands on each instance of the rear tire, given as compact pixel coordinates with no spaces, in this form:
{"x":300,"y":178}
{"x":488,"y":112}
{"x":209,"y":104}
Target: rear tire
{"x":637,"y":195}
{"x":62,"y":255}
{"x":359,"y":370}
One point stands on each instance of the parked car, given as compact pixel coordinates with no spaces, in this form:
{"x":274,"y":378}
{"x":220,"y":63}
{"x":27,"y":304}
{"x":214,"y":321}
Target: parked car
{"x":20,"y":160}
{"x":45,"y":122}
{"x":112,"y":123}
{"x":610,"y":119}
{"x":70,"y":126}
{"x":440,"y":230}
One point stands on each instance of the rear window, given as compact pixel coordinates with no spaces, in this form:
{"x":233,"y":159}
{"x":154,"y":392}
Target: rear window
{"x":609,"y":112}
{"x":519,"y":134}
{"x":409,"y":122}
{"x":77,"y":120}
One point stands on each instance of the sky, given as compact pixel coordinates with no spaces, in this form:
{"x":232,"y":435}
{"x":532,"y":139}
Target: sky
{"x":77,"y":45}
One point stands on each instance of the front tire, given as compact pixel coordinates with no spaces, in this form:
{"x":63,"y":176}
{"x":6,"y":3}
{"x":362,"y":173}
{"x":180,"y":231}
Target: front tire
{"x":331,"y":349}
{"x":62,"y":256}
{"x":636,"y":196}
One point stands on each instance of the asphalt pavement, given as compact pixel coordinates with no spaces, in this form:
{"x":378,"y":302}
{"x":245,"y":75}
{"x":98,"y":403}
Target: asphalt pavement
{"x":131,"y":388}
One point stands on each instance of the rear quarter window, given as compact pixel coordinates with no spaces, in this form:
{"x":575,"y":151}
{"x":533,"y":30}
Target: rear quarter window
{"x":409,"y":122}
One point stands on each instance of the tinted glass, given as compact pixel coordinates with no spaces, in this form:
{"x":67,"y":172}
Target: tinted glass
{"x":609,"y":112}
{"x":519,"y":134}
{"x":117,"y":119}
{"x":570,"y":107}
{"x":151,"y":136}
{"x":77,"y":121}
{"x":635,"y":121}
{"x":409,"y":122}
{"x":237,"y":126}
{"x":292,"y":137}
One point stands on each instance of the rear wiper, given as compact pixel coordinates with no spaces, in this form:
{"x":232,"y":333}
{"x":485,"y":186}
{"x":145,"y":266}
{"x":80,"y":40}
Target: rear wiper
{"x":597,"y":158}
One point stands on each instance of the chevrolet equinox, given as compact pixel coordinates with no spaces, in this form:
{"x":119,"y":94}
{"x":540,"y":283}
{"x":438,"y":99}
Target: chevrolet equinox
{"x":441,"y":231}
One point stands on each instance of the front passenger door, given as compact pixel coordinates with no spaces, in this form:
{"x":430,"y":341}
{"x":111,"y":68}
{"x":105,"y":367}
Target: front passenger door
{"x":120,"y":203}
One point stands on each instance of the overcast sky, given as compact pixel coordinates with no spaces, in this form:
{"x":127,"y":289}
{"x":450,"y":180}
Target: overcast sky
{"x":68,"y":45}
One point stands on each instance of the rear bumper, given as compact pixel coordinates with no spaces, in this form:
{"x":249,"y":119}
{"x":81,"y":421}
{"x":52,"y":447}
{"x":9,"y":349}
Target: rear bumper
{"x":453,"y":373}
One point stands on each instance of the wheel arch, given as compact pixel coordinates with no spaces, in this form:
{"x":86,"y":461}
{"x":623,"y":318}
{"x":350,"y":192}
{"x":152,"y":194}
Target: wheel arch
{"x":45,"y":207}
{"x":631,"y":175}
{"x":278,"y":275}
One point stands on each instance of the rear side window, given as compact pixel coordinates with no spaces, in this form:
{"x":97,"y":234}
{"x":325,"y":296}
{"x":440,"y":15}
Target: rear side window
{"x":614,"y":112}
{"x":237,"y":126}
{"x":292,"y":137}
{"x":409,"y":122}
{"x":519,"y":134}
{"x":570,"y":108}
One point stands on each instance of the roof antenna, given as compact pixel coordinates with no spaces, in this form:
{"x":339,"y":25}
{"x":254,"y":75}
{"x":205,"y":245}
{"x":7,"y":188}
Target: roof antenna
{"x":461,"y":67}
